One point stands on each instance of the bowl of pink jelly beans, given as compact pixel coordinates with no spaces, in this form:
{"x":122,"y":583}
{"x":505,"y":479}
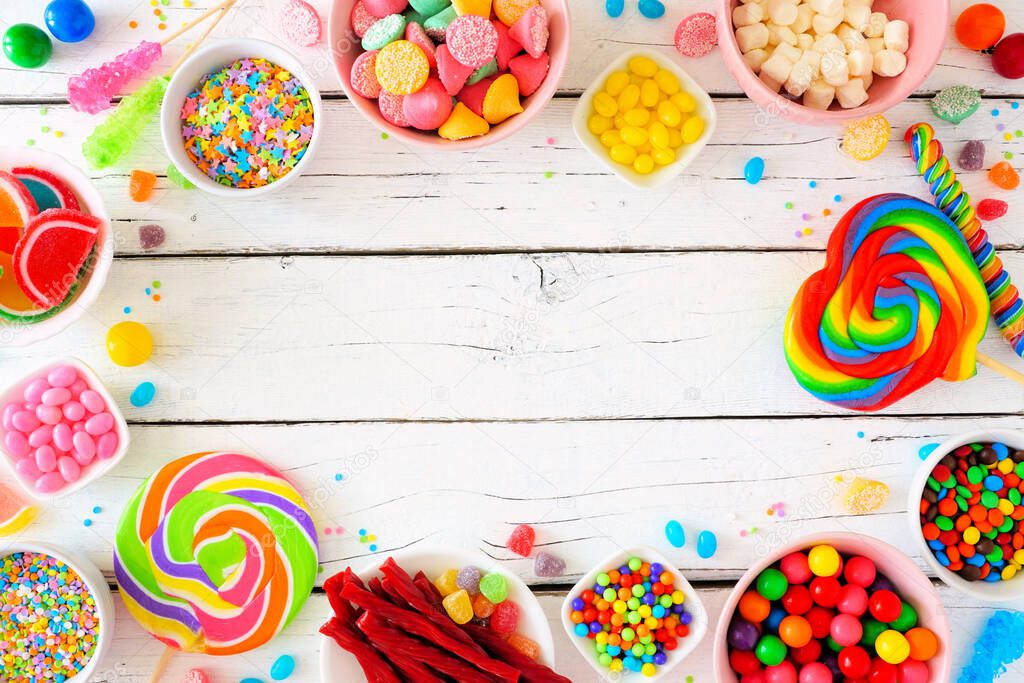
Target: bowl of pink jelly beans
{"x":60,"y":429}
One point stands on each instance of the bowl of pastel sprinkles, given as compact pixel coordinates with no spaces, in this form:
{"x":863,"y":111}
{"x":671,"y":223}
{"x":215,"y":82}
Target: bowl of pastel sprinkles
{"x":241,"y":118}
{"x":56,"y":615}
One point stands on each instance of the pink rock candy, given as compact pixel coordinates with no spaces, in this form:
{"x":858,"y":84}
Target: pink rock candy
{"x":92,"y":90}
{"x":531,"y":31}
{"x":300,"y":23}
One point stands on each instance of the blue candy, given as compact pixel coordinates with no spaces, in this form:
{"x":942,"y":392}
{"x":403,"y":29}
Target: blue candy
{"x":1001,"y":450}
{"x":707,"y":544}
{"x":753,"y":171}
{"x":942,"y":558}
{"x":652,"y":9}
{"x":614,"y":8}
{"x":70,"y":21}
{"x":675,"y":533}
{"x":143,"y":394}
{"x":282,"y":668}
{"x":993,"y":483}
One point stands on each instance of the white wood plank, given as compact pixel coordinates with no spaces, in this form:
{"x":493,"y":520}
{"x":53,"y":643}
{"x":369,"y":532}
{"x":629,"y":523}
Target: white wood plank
{"x":371,"y":195}
{"x":509,"y":337}
{"x":596,"y":38}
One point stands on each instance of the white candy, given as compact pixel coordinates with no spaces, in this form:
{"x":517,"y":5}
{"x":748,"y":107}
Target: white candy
{"x":805,"y":41}
{"x":834,"y":69}
{"x":860,"y":61}
{"x":772,"y":84}
{"x":747,"y":15}
{"x":889,"y":63}
{"x":868,"y":77}
{"x":852,"y":94}
{"x":850,"y":37}
{"x":778,"y":68}
{"x":820,"y":95}
{"x":780,"y":34}
{"x":801,"y":77}
{"x":875,"y":45}
{"x":782,"y":12}
{"x":788,"y":51}
{"x":857,"y":16}
{"x":828,"y":43}
{"x":897,"y":35}
{"x":829,"y":7}
{"x":755,"y":58}
{"x":752,"y":37}
{"x":826,"y":23}
{"x":804,"y":17}
{"x":876,"y":25}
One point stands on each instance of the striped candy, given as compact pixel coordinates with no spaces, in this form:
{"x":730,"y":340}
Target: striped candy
{"x":932,"y":164}
{"x":215,"y":553}
{"x":898,"y":303}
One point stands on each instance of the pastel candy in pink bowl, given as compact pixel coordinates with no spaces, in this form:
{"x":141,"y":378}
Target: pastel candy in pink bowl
{"x":531,"y":31}
{"x":60,"y":429}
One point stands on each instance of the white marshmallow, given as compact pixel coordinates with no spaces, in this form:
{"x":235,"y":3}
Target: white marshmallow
{"x":782,"y":12}
{"x":780,"y":34}
{"x":801,"y":77}
{"x":805,"y":41}
{"x":860,"y":62}
{"x":850,"y":37}
{"x":852,"y":94}
{"x":875,"y":45}
{"x":755,"y":58}
{"x":804,"y":17}
{"x":829,"y":7}
{"x":772,"y":84}
{"x":889,"y":63}
{"x":828,"y":43}
{"x":820,"y":95}
{"x":788,"y":51}
{"x":876,"y":25}
{"x":778,"y":68}
{"x":834,"y":69}
{"x":752,"y":37}
{"x":826,"y":23}
{"x":868,"y":77}
{"x":897,"y":35}
{"x":857,"y":16}
{"x":747,"y":15}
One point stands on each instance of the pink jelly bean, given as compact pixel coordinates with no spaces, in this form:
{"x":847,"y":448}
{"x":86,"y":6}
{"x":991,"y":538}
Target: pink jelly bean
{"x":46,"y":459}
{"x":34,"y":390}
{"x":106,"y":445}
{"x":50,"y":483}
{"x":78,"y":427}
{"x":49,"y":415}
{"x":57,"y":396}
{"x":69,"y":469}
{"x":26,"y":469}
{"x":92,"y":401}
{"x":62,"y":436}
{"x":17,"y":444}
{"x":82,"y":459}
{"x":64,"y":376}
{"x":73,"y":411}
{"x":78,"y":387}
{"x":24,"y":421}
{"x":84,"y":445}
{"x":40,"y":436}
{"x":99,"y":424}
{"x":8,"y":415}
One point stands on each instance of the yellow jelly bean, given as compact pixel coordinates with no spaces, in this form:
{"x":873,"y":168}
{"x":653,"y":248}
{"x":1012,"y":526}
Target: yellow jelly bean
{"x":605,"y":104}
{"x":684,"y":101}
{"x":693,"y":129}
{"x":657,"y":133}
{"x":649,"y":93}
{"x":1009,"y":571}
{"x":634,"y":136}
{"x":637,"y":117}
{"x":644,"y":148}
{"x":629,"y":97}
{"x":643,"y":66}
{"x":675,"y":139}
{"x":610,"y":138}
{"x":663,"y":157}
{"x":669,"y":114}
{"x":635,"y":80}
{"x":619,"y":121}
{"x":667,"y":81}
{"x":616,"y":83}
{"x":623,"y":154}
{"x":599,"y":124}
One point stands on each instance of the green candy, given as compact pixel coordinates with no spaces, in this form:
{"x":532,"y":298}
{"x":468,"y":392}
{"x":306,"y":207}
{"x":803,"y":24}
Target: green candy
{"x":428,"y":8}
{"x":976,"y":474}
{"x":934,"y":485}
{"x":772,"y":584}
{"x":944,"y":523}
{"x":27,"y":46}
{"x":175,"y":176}
{"x":384,"y":31}
{"x":907,"y":619}
{"x":770,"y":650}
{"x":437,"y":25}
{"x":872,"y":629}
{"x":494,"y":588}
{"x":956,"y":103}
{"x":1020,"y":469}
{"x":990,"y":499}
{"x":634,"y":564}
{"x":486,"y":71}
{"x":414,"y":17}
{"x":995,"y":556}
{"x":833,"y":644}
{"x":1014,"y":496}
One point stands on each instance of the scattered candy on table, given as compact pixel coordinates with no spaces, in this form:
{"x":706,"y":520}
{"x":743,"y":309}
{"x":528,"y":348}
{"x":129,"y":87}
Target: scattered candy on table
{"x":522,"y":539}
{"x":547,"y":565}
{"x":1008,"y":56}
{"x":696,"y":35}
{"x":1001,"y":643}
{"x":27,"y":46}
{"x":300,"y":23}
{"x":70,"y":21}
{"x":867,"y":138}
{"x":956,"y":103}
{"x":175,"y":176}
{"x":972,"y":156}
{"x":129,"y":343}
{"x":864,"y":496}
{"x":247,"y":125}
{"x":753,"y":170}
{"x":141,"y":184}
{"x":282,"y":668}
{"x":707,"y":544}
{"x":980,"y":26}
{"x":992,"y":209}
{"x":1004,"y":175}
{"x":143,"y":394}
{"x":50,"y":623}
{"x":635,"y":615}
{"x":675,"y":534}
{"x":971,"y":512}
{"x":16,"y":511}
{"x":92,"y":90}
{"x":151,"y":236}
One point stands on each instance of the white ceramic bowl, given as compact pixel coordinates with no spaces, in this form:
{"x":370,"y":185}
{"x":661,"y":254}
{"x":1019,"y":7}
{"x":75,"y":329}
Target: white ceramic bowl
{"x":686,"y":154}
{"x":212,"y":59}
{"x":693,"y":604}
{"x":97,"y":586}
{"x":98,"y":467}
{"x":13,"y":334}
{"x":338,"y":665}
{"x":999,"y":591}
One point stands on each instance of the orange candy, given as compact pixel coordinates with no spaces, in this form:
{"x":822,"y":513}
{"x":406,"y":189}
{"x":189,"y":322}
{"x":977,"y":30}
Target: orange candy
{"x":754,"y":608}
{"x":524,"y":645}
{"x":923,"y":644}
{"x":1004,"y":175}
{"x":980,"y":26}
{"x":141,"y":184}
{"x":795,"y":631}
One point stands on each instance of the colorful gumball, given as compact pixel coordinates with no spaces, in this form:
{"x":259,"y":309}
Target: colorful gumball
{"x":811,"y":652}
{"x":860,"y":571}
{"x":825,"y":591}
{"x":912,"y":671}
{"x":743,"y":662}
{"x":795,"y":631}
{"x":883,"y":672}
{"x":820,"y":620}
{"x":754,"y":607}
{"x":756,"y":677}
{"x":824,"y":560}
{"x":796,"y":568}
{"x":892,"y":647}
{"x":885,"y":606}
{"x":742,"y":635}
{"x":770,"y":650}
{"x":980,"y":26}
{"x":815,"y":672}
{"x":846,"y":630}
{"x":852,"y":600}
{"x":854,"y":662}
{"x":772,"y":584}
{"x":923,"y":644}
{"x":797,"y":600}
{"x":784,"y":672}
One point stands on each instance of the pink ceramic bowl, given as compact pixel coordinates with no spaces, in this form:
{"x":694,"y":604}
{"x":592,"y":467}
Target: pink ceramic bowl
{"x":911,"y":583}
{"x":929,"y":24}
{"x":345,"y":47}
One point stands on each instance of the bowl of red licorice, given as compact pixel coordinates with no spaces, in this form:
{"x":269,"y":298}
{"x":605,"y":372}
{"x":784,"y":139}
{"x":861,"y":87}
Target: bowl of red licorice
{"x":833,"y":607}
{"x":437,"y":611}
{"x":966,"y":512}
{"x":450,"y":74}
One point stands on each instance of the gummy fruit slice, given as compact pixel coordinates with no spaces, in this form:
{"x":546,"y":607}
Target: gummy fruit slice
{"x":47,"y":189}
{"x":49,"y":257}
{"x":16,"y":209}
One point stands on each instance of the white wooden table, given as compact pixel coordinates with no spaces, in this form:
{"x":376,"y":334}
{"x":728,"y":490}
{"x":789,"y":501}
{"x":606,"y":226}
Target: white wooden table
{"x":473,"y":344}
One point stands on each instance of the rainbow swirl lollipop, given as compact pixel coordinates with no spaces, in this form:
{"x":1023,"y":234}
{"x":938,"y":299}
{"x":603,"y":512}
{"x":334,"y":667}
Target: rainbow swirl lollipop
{"x":215,"y":553}
{"x":898,"y":303}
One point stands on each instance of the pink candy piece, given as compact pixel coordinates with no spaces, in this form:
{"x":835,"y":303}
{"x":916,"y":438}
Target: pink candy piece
{"x":472,"y":40}
{"x":56,"y":396}
{"x":84,"y":445}
{"x":429,"y":107}
{"x":300,"y":23}
{"x":78,"y":387}
{"x":42,"y":435}
{"x":73,"y":411}
{"x":415,"y":34}
{"x":106,"y":445}
{"x":364,"y":75}
{"x":24,"y":421}
{"x":92,"y":91}
{"x":531,"y":31}
{"x":46,"y":459}
{"x":64,"y":376}
{"x":16,"y":444}
{"x":361,"y":19}
{"x":696,"y":35}
{"x":49,"y":415}
{"x":382,"y":8}
{"x":530,"y":72}
{"x":196,"y":676}
{"x":8,"y":416}
{"x":50,"y":482}
{"x":34,"y":391}
{"x":473,"y":95}
{"x":100,"y":424}
{"x":391,"y":109}
{"x":78,"y":427}
{"x":508,"y":47}
{"x":69,"y":469}
{"x":27,"y":470}
{"x":62,"y":437}
{"x":92,"y":401}
{"x":451,"y":72}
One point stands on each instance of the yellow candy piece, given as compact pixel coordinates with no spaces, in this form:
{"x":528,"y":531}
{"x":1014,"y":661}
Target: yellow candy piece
{"x":511,"y":11}
{"x":1009,"y":571}
{"x":610,"y":138}
{"x":402,"y":67}
{"x":446,"y":583}
{"x":649,"y":93}
{"x":971,"y":535}
{"x":623,"y":154}
{"x":129,"y":343}
{"x":693,"y":129}
{"x":866,"y":139}
{"x":637,"y":117}
{"x":675,"y":138}
{"x":1005,"y":466}
{"x":1018,"y":557}
{"x":892,"y":646}
{"x":605,"y":104}
{"x":462,"y":124}
{"x":616,"y":83}
{"x":15,"y":512}
{"x":657,"y":133}
{"x":643,"y":165}
{"x":644,"y":67}
{"x":458,"y":606}
{"x":685,"y":101}
{"x":634,"y":136}
{"x":598,"y":124}
{"x":629,"y":97}
{"x":663,"y":157}
{"x":865,"y":495}
{"x":669,"y":114}
{"x":481,"y":8}
{"x":502,"y":99}
{"x":667,"y":82}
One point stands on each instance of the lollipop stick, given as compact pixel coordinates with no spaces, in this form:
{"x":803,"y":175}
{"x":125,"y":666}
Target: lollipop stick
{"x":192,"y":24}
{"x":223,"y":9}
{"x":1004,"y":370}
{"x":162,"y":664}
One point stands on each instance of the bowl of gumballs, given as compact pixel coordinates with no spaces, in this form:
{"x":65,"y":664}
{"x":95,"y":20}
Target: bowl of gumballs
{"x":831,"y":606}
{"x":60,"y":429}
{"x":822,"y":62}
{"x":634,"y":612}
{"x":450,"y":74}
{"x":463,"y":616}
{"x":644,"y":118}
{"x":966,"y":512}
{"x":241,"y":118}
{"x":58,"y":627}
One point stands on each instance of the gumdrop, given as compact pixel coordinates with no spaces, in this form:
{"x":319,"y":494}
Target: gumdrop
{"x":972,"y":156}
{"x":482,"y":607}
{"x":1008,"y":57}
{"x":525,"y":646}
{"x":141,"y":184}
{"x":505,"y":618}
{"x":151,"y":236}
{"x":548,"y":566}
{"x":1004,"y":175}
{"x":991,"y":209}
{"x":196,"y":676}
{"x":447,"y":583}
{"x":459,"y":607}
{"x":468,"y":580}
{"x":494,"y":588}
{"x":521,"y":540}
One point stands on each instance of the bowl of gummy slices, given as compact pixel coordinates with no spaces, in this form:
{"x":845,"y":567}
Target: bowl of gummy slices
{"x":426,"y":614}
{"x":450,"y":74}
{"x":967,"y":513}
{"x":833,"y":607}
{"x":55,"y":247}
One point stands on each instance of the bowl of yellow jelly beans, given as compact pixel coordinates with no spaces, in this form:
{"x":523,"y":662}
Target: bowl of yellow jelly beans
{"x":644,"y":118}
